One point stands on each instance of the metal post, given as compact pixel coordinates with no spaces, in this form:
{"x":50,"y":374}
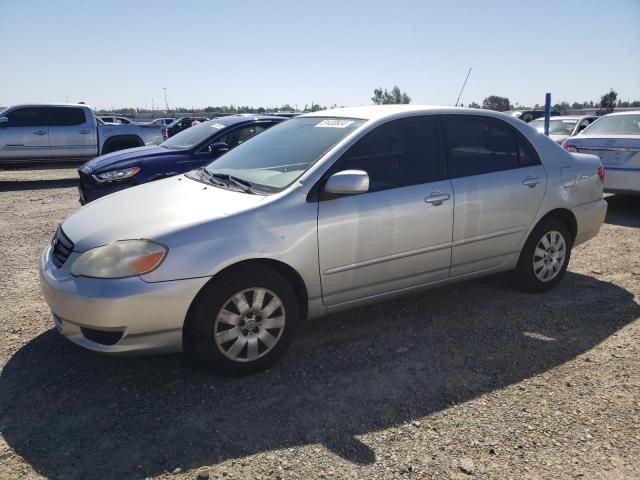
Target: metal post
{"x":547,"y":113}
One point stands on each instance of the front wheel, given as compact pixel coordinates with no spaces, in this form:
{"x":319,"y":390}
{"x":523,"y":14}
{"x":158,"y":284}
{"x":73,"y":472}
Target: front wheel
{"x":241,"y":322}
{"x":545,"y":256}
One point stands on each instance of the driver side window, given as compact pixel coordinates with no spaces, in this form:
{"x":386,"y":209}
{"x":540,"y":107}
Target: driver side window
{"x":397,"y":154}
{"x":239,"y":135}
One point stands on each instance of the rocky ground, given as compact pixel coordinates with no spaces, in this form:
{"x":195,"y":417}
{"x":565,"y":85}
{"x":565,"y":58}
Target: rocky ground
{"x":468,"y":381}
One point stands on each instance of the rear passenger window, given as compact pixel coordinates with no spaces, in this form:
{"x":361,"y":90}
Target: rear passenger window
{"x":478,"y":145}
{"x":28,"y":117}
{"x":527,"y":156}
{"x":64,"y":117}
{"x":398,"y":154}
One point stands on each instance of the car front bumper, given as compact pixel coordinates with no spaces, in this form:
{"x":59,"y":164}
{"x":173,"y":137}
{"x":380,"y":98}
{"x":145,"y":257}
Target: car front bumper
{"x":142,"y":317}
{"x":622,"y":180}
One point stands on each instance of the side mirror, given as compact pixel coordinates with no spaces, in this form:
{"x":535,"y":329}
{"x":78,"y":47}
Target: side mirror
{"x":4,"y":122}
{"x":348,"y":182}
{"x":219,"y":148}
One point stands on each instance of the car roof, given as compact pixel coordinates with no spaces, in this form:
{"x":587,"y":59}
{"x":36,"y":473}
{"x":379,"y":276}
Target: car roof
{"x":22,"y":105}
{"x":567,"y":117}
{"x":376,"y":112}
{"x":234,"y":119}
{"x":632,"y":112}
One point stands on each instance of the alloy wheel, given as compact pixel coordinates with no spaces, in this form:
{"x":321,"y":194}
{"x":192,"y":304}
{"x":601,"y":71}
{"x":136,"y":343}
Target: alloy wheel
{"x":249,"y":324}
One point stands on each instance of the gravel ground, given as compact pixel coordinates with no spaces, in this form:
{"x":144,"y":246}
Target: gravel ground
{"x":475,"y":380}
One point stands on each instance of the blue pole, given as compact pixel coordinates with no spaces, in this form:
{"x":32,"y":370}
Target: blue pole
{"x":547,"y":113}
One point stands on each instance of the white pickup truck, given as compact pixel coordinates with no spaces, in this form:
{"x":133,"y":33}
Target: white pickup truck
{"x":59,"y":133}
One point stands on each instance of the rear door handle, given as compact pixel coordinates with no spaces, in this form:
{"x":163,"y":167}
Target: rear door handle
{"x":40,"y":132}
{"x":436,"y":198}
{"x":84,"y":132}
{"x":531,"y":181}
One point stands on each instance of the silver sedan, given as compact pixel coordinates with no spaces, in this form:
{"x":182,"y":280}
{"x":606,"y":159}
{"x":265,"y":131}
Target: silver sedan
{"x":615,"y":139}
{"x":325,"y":212}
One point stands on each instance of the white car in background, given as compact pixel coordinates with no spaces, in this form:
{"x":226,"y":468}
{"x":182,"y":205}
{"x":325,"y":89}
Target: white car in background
{"x":563,"y":127}
{"x":615,"y":138}
{"x":160,"y":122}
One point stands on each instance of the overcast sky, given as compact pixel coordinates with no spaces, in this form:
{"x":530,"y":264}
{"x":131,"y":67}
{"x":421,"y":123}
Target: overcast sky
{"x":117,"y":53}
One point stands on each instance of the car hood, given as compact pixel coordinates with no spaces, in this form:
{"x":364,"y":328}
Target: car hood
{"x":123,"y":158}
{"x":152,"y":211}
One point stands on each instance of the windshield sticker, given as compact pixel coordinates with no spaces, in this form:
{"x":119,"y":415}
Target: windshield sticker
{"x":335,"y":123}
{"x":217,"y":125}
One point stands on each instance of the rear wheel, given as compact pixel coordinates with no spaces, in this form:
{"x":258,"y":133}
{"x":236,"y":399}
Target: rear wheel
{"x":545,"y":256}
{"x":242,"y":321}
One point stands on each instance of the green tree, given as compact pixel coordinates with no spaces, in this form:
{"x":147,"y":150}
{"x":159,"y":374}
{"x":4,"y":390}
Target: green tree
{"x":473,"y":105}
{"x":494,"y":102}
{"x":608,"y":102}
{"x":395,"y":96}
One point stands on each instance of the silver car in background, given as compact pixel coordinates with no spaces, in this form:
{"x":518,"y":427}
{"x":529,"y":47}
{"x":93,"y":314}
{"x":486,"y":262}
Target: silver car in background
{"x":615,"y":138}
{"x":563,"y":127}
{"x":325,"y":212}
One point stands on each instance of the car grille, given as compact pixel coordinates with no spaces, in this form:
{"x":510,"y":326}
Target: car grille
{"x":61,"y":247}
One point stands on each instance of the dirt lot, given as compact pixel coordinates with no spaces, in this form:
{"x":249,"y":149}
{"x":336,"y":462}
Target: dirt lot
{"x":469,"y":381}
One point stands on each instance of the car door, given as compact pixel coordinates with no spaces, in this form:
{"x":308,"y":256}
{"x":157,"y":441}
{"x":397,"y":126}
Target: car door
{"x":26,"y":135}
{"x":398,"y":234}
{"x":498,"y":183}
{"x":71,"y":133}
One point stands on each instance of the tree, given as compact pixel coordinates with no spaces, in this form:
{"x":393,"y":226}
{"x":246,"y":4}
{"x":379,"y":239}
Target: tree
{"x":474,"y":105}
{"x":562,"y":107}
{"x":384,"y":97}
{"x":494,"y":102}
{"x":608,"y":102}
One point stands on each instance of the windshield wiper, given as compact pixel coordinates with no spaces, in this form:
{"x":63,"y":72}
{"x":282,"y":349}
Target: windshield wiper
{"x":209,"y":177}
{"x":242,"y":184}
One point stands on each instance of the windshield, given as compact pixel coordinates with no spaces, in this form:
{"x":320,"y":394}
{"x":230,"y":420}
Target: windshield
{"x":192,"y":136}
{"x":278,"y":157}
{"x":556,"y":127}
{"x":615,"y":125}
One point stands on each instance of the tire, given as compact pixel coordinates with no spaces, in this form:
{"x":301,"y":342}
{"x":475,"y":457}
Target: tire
{"x":537,"y":272}
{"x":249,"y":346}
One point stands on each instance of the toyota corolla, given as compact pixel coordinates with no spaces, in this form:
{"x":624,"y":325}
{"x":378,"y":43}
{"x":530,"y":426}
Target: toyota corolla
{"x":327,"y":211}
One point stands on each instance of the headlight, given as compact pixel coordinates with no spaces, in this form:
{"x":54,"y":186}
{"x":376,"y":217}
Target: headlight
{"x":125,"y":258}
{"x":116,"y":174}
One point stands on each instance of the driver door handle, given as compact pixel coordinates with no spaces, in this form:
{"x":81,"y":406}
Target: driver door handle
{"x":531,"y":181}
{"x":40,"y":132}
{"x":84,"y":132}
{"x":436,"y":198}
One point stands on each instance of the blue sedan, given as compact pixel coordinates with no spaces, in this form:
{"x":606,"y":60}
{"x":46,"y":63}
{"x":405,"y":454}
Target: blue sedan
{"x":188,"y":150}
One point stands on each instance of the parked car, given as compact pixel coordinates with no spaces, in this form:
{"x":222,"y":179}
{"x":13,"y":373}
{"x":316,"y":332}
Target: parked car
{"x":180,"y":124}
{"x":161,"y":121}
{"x":113,"y":120}
{"x":564,"y":126}
{"x":62,"y":133}
{"x":324,"y":212}
{"x":189,"y":149}
{"x":615,"y":138}
{"x":530,"y":115}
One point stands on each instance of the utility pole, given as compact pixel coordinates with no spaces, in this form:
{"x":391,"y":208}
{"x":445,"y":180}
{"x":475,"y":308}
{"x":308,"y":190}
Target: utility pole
{"x":166,"y":105}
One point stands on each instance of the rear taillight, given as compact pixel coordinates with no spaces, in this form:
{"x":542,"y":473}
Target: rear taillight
{"x":165,"y":132}
{"x":570,"y":148}
{"x":601,"y":174}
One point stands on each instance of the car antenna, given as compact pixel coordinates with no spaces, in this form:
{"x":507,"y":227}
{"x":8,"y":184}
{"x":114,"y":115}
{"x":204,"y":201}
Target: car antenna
{"x":463,"y":85}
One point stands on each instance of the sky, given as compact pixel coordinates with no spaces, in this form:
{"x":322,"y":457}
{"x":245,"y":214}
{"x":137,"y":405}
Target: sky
{"x":121,"y":53}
